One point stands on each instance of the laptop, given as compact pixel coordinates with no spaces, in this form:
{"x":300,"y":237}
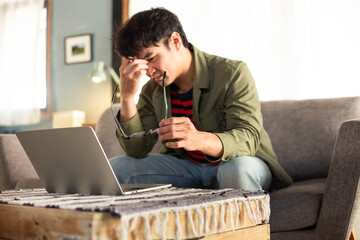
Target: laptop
{"x":72,"y":160}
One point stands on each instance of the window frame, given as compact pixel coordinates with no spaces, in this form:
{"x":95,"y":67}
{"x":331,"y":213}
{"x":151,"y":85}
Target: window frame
{"x":118,"y":20}
{"x":46,"y":112}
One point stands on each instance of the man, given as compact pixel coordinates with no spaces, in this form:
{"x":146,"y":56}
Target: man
{"x":213,"y":136}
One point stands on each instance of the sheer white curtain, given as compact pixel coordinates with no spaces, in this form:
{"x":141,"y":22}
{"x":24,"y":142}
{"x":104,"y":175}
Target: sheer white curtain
{"x":19,"y":25}
{"x":295,"y":49}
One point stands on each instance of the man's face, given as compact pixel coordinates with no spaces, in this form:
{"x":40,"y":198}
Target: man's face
{"x":160,"y":58}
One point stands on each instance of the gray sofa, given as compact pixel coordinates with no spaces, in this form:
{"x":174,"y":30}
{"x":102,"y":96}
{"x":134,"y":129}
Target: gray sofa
{"x":316,"y":141}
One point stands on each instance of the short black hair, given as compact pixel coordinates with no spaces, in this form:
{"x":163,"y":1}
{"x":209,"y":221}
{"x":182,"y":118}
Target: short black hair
{"x":148,"y":28}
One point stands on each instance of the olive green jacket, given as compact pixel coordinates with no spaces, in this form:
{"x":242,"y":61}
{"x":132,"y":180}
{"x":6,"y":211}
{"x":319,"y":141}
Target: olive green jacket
{"x":225,"y":102}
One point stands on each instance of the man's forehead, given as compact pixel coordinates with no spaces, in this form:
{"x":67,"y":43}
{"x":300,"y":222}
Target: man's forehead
{"x":148,"y":54}
{"x":148,"y":51}
{"x":142,"y":55}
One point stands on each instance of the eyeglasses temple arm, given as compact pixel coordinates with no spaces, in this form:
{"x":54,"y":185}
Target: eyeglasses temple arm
{"x":164,"y":93}
{"x":114,"y":116}
{"x":114,"y":75}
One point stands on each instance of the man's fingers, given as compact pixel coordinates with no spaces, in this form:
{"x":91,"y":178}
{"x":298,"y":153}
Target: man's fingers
{"x":140,"y":73}
{"x":172,"y":135}
{"x":127,"y":62}
{"x":175,"y":125}
{"x":130,"y":66}
{"x":177,"y":144}
{"x":170,"y":128}
{"x":133,"y":70}
{"x":174,"y":121}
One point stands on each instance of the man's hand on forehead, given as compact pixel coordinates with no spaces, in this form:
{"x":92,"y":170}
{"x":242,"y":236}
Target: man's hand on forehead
{"x":147,"y":55}
{"x":136,"y":61}
{"x":133,"y":68}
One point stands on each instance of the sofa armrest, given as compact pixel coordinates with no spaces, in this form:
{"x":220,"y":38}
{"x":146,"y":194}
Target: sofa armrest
{"x":14,"y":163}
{"x":340,"y":211}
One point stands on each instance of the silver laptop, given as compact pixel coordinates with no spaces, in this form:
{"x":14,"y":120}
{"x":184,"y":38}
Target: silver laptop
{"x":72,"y":160}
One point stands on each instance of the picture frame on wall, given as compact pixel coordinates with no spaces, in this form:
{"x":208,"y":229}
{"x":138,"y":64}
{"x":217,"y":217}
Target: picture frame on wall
{"x":78,"y":49}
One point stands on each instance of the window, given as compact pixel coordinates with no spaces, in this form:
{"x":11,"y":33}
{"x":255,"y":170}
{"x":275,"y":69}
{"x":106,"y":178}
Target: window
{"x":41,"y":61}
{"x":18,"y":61}
{"x":44,"y":59}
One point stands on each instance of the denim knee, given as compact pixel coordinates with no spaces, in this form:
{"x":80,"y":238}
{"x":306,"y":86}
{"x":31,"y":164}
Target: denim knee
{"x":122,"y":166}
{"x":246,"y":172}
{"x":157,"y":168}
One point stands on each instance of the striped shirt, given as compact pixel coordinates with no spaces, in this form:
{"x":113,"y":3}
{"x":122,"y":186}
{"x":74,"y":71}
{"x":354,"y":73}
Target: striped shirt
{"x":181,"y":104}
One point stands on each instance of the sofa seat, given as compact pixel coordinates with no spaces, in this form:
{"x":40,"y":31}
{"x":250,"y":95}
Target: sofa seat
{"x":294,"y":235}
{"x":296,"y":207}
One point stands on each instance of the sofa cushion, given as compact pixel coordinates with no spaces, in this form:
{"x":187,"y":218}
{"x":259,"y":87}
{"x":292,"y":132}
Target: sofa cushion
{"x":296,"y":207}
{"x":303,"y":133}
{"x":14,"y":163}
{"x":105,"y":131}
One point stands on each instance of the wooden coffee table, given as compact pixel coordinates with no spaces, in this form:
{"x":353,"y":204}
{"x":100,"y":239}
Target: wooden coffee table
{"x":51,"y":216}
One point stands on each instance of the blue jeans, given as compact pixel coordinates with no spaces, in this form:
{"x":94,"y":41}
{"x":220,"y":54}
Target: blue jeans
{"x":250,"y":173}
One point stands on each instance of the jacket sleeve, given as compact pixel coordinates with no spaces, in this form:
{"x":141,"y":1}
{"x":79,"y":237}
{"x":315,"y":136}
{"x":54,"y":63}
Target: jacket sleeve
{"x":144,"y":120}
{"x":242,"y":114}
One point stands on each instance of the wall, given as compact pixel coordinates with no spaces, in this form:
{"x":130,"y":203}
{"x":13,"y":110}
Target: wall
{"x":71,"y":87}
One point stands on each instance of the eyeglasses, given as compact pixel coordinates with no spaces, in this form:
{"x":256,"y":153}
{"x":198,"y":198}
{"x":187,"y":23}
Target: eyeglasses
{"x":143,"y":133}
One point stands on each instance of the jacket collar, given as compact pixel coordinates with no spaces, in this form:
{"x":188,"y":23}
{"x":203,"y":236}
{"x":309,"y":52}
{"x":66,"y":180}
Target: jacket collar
{"x":201,"y":82}
{"x":202,"y":77}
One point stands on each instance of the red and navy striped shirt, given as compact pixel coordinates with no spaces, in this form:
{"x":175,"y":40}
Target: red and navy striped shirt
{"x":181,"y":104}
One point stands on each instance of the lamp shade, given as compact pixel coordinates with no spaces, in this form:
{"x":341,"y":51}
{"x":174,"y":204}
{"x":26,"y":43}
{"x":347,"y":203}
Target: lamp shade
{"x":98,"y":74}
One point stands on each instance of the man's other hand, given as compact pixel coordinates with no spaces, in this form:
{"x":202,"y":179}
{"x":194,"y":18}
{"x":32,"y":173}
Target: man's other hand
{"x":188,"y":137}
